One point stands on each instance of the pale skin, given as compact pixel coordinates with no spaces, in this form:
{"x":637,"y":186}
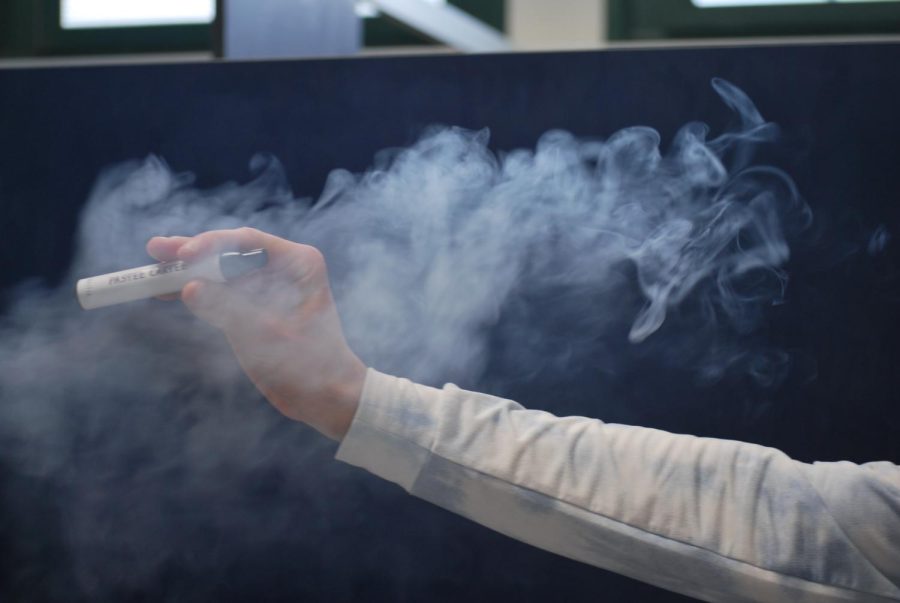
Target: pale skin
{"x":281,"y":323}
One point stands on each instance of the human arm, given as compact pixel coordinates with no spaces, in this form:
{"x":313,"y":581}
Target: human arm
{"x":715,"y":519}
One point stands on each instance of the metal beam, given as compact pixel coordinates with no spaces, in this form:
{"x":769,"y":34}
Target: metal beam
{"x":446,"y":24}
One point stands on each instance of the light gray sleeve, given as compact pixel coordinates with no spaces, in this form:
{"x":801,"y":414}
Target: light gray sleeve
{"x":714,"y":519}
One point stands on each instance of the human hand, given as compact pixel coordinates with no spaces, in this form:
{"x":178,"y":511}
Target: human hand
{"x":280,"y":321}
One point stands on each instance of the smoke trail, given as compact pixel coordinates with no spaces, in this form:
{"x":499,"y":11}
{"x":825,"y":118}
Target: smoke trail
{"x":434,"y":239}
{"x":673,"y":252}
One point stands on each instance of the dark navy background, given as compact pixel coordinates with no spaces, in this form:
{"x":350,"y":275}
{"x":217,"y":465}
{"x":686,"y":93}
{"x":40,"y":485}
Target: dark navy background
{"x":838,"y":107}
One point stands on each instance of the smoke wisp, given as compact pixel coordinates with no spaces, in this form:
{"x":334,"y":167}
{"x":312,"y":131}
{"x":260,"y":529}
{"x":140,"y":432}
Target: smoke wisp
{"x":675,"y":249}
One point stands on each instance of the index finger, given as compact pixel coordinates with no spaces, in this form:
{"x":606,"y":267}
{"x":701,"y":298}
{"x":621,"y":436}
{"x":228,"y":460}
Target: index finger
{"x":165,"y":249}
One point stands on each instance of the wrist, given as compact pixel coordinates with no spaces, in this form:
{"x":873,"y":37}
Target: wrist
{"x":346,"y":398}
{"x":331,"y":410}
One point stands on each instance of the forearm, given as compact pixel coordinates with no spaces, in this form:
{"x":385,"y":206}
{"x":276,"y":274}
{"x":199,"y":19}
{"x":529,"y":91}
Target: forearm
{"x":713,"y":519}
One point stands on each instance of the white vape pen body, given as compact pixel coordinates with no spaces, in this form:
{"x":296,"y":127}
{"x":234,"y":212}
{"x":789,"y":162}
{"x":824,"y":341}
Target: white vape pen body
{"x":161,"y":279}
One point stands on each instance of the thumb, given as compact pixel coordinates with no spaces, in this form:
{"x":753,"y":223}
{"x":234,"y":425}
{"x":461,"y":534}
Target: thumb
{"x":220,"y":305}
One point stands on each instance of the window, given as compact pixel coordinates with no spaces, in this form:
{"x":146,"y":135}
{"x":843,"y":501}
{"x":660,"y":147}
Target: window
{"x":80,"y":14}
{"x":736,"y":3}
{"x":686,"y":19}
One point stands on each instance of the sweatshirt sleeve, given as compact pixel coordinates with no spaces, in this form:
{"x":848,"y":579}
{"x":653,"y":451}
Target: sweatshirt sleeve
{"x":714,"y":519}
